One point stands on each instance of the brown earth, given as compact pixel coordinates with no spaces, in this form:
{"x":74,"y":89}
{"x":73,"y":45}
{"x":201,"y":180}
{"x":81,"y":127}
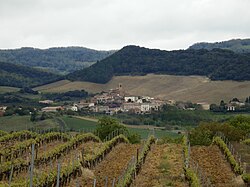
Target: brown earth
{"x":171,"y":87}
{"x":215,"y":166}
{"x":111,"y":167}
{"x":163,"y":167}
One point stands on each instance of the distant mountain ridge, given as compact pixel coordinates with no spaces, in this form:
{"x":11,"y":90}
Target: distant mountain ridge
{"x":60,"y":60}
{"x":23,"y":76}
{"x":217,"y":64}
{"x":236,"y":45}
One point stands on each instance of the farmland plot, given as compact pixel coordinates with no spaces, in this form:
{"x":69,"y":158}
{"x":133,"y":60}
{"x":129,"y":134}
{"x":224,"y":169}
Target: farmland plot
{"x":215,"y":166}
{"x":163,"y":167}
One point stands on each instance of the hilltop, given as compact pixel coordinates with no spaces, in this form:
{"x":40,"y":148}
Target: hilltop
{"x":60,"y":60}
{"x":236,"y":45}
{"x":216,"y":64}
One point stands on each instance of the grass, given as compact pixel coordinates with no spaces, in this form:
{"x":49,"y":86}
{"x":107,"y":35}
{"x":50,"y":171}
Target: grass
{"x":17,"y":123}
{"x":79,"y":124}
{"x":179,"y":88}
{"x":86,"y":125}
{"x":5,"y":89}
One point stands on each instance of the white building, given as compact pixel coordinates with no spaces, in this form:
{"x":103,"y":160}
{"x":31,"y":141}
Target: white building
{"x":130,"y":99}
{"x":145,"y":107}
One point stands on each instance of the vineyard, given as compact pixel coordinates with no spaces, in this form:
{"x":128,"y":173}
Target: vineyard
{"x":82,"y":159}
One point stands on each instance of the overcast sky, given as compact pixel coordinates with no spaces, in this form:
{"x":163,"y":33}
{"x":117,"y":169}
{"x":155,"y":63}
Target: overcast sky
{"x":112,"y":24}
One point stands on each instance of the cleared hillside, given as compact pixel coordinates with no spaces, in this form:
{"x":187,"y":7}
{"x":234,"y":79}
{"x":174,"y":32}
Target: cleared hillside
{"x":184,"y":88}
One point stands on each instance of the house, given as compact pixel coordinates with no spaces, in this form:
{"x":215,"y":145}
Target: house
{"x":112,"y":111}
{"x":204,"y":106}
{"x":74,"y":108}
{"x":103,"y":98}
{"x":101,"y":109}
{"x":2,"y":110}
{"x":145,"y":107}
{"x":126,"y":107}
{"x":230,"y":107}
{"x":46,"y":102}
{"x":131,"y":99}
{"x":52,"y":109}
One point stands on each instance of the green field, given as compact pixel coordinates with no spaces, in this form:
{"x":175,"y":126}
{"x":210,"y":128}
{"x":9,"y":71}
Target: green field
{"x":17,"y":123}
{"x":5,"y":89}
{"x":81,"y":124}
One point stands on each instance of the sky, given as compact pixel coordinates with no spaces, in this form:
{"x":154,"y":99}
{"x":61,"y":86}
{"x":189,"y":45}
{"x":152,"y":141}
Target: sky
{"x":112,"y":24}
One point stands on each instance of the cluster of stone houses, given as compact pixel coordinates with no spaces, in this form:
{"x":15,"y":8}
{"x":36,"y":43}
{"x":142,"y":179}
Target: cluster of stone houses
{"x":117,"y":100}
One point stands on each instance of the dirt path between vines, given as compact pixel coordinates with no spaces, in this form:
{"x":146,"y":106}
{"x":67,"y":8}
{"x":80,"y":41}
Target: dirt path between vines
{"x":163,"y":167}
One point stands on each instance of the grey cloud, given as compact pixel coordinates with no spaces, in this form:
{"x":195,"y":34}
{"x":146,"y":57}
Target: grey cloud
{"x":112,"y":24}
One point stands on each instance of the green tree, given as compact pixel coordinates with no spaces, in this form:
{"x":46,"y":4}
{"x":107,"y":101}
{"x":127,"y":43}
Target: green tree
{"x":33,"y":116}
{"x":107,"y":125}
{"x":241,"y":122}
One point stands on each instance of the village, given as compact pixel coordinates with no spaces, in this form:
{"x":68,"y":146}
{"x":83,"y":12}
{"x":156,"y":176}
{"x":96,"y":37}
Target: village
{"x":112,"y":102}
{"x":117,"y":100}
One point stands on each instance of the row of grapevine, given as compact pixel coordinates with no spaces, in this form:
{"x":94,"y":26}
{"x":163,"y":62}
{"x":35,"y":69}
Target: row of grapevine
{"x":20,"y":135}
{"x":73,"y":169}
{"x":134,"y":167}
{"x":2,"y":133}
{"x":21,"y":164}
{"x":18,"y":149}
{"x":91,"y":160}
{"x":229,"y":156}
{"x":190,"y":174}
{"x":247,"y":142}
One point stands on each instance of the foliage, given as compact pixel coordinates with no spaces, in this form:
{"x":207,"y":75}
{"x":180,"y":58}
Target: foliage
{"x":201,"y":136}
{"x":171,"y":116}
{"x":229,"y":156}
{"x":28,"y":90}
{"x":107,"y":125}
{"x":241,"y":122}
{"x":66,"y":96}
{"x":247,"y":141}
{"x":136,"y":166}
{"x":59,"y":60}
{"x":246,"y":177}
{"x":237,"y":45}
{"x":24,"y":76}
{"x":134,"y":137}
{"x":216,"y":64}
{"x":192,"y":177}
{"x":189,"y":172}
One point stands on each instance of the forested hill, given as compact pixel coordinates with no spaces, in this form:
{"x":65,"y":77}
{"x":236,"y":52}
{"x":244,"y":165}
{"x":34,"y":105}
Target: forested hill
{"x":216,"y":64}
{"x":59,"y":60}
{"x":236,"y":45}
{"x":22,"y":76}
